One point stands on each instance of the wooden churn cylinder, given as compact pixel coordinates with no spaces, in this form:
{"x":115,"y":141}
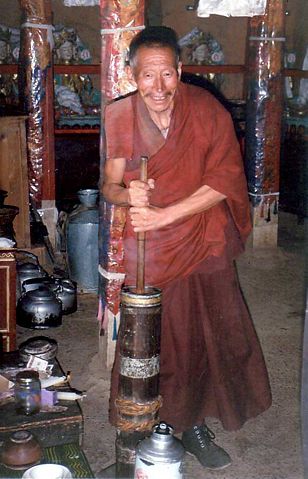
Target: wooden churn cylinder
{"x":138,"y":400}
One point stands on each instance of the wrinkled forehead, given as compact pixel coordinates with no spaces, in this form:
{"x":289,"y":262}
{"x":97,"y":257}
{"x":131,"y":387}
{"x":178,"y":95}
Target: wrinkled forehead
{"x":148,"y":54}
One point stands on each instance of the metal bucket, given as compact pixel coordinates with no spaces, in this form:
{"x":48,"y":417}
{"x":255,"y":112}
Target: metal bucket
{"x":82,"y":248}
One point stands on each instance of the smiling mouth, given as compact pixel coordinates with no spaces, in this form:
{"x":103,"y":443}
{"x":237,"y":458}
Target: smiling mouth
{"x":160,"y":98}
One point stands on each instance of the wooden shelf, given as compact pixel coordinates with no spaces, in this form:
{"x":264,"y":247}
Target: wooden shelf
{"x":214,"y":68}
{"x":296,"y":73}
{"x":8,"y":69}
{"x":94,"y":69}
{"x":77,"y":131}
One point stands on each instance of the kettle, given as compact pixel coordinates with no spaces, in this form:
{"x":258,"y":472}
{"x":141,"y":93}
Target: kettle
{"x":28,"y":270}
{"x":64,"y":289}
{"x":39,"y":309}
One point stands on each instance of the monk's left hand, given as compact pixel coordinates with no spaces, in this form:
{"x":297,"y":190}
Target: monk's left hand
{"x":149,"y":218}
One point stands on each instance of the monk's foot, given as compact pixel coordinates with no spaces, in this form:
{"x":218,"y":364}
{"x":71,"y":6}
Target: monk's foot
{"x":199,"y":441}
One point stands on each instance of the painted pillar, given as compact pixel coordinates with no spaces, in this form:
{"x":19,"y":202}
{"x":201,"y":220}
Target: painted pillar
{"x":266,"y":40}
{"x":36,"y":90}
{"x":120,"y":21}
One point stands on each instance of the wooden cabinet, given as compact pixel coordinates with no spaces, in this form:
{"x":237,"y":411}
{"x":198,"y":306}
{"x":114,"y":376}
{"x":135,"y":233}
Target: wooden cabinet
{"x":8,"y":300}
{"x":14,"y":173}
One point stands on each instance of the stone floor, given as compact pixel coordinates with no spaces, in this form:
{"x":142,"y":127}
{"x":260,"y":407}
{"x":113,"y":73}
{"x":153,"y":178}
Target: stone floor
{"x":268,"y":447}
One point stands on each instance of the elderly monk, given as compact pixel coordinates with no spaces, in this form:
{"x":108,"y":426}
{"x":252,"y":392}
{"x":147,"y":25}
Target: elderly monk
{"x":195,"y":212}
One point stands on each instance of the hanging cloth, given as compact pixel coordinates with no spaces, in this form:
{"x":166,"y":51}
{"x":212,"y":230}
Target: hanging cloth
{"x":234,"y":8}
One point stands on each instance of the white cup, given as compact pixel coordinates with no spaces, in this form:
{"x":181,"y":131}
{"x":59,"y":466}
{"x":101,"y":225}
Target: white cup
{"x":47,"y":471}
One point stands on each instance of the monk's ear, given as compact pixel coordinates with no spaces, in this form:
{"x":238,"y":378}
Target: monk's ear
{"x":179,"y":70}
{"x":130,"y":75}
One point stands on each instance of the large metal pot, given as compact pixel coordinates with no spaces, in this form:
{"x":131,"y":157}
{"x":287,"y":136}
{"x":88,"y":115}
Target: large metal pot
{"x":64,"y":289}
{"x":39,"y":309}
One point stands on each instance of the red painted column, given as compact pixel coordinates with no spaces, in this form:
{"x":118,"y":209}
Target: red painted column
{"x":266,"y":40}
{"x":36,"y":90}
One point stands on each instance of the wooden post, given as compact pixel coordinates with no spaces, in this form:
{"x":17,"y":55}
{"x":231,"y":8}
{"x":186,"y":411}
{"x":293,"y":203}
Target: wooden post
{"x":35,"y":78}
{"x":141,"y":237}
{"x":266,"y":40}
{"x":120,"y":21}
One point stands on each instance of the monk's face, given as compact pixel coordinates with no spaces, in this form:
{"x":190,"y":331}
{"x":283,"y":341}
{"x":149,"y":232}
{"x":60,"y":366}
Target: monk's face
{"x":157,"y":76}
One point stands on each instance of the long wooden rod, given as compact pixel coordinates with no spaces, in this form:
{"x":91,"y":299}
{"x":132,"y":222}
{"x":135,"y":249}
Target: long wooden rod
{"x":141,"y":235}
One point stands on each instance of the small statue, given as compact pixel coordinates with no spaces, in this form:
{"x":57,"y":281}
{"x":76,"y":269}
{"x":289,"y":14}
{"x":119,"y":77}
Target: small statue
{"x":66,"y":49}
{"x":8,"y":83}
{"x":203,"y":49}
{"x":74,"y":93}
{"x":5,"y":48}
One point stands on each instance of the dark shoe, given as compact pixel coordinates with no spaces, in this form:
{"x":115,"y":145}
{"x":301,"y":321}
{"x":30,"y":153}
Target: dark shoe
{"x":199,"y":441}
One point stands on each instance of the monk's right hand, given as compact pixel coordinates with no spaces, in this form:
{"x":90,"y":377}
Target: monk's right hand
{"x":139,"y":192}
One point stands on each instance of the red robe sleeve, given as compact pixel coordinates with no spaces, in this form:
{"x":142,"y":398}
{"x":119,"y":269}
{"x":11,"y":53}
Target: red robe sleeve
{"x":223,"y":167}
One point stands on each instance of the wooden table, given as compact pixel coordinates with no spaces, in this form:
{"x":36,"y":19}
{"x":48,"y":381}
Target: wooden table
{"x":69,"y":455}
{"x":50,"y":428}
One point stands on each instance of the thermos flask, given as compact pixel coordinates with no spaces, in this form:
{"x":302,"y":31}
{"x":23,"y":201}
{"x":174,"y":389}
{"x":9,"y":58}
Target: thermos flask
{"x":160,"y":455}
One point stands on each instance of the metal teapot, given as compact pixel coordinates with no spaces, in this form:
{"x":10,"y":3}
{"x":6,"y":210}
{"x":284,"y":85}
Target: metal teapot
{"x":28,"y":270}
{"x":64,"y":289}
{"x":67,"y":293}
{"x":39,"y":309}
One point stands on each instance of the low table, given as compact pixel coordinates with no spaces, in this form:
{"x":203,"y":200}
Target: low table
{"x":69,"y":455}
{"x":50,"y":428}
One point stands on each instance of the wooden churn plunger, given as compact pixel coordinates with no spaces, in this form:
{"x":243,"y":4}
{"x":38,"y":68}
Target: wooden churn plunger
{"x":138,"y":400}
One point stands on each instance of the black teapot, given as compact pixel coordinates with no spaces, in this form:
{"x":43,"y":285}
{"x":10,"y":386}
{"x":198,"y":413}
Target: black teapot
{"x":39,"y":309}
{"x":64,"y":289}
{"x":28,"y":270}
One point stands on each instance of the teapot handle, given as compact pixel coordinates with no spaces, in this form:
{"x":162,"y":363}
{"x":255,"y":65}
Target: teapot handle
{"x":28,"y":253}
{"x":59,"y":288}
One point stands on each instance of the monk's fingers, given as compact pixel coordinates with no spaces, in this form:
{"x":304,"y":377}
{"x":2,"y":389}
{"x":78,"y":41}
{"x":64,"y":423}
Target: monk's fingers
{"x":138,"y":214}
{"x":151,"y":183}
{"x":139,"y":185}
{"x":145,"y":219}
{"x":138,"y":197}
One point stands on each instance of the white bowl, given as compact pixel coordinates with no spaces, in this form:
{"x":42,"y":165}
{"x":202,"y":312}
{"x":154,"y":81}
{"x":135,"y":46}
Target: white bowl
{"x":47,"y":471}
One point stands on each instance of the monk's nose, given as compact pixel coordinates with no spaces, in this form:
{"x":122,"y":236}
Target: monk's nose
{"x":159,"y":83}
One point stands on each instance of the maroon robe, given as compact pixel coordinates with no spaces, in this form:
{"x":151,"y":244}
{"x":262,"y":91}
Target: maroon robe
{"x":211,"y":361}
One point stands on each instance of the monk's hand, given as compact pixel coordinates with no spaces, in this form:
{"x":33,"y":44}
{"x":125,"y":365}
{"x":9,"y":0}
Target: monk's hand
{"x":149,"y":218}
{"x":139,"y":192}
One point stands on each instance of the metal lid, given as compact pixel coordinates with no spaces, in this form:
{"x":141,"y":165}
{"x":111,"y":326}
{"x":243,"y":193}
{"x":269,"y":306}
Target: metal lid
{"x":21,"y":436}
{"x":41,"y":346}
{"x":41,"y":294}
{"x":28,"y":267}
{"x":27,"y":377}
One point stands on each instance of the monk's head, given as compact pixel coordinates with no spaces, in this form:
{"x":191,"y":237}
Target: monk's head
{"x":154,"y":37}
{"x":154,"y":65}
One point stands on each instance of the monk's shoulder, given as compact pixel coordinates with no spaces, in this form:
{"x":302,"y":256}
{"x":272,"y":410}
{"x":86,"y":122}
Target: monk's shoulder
{"x":205,"y":101}
{"x":115,"y":110}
